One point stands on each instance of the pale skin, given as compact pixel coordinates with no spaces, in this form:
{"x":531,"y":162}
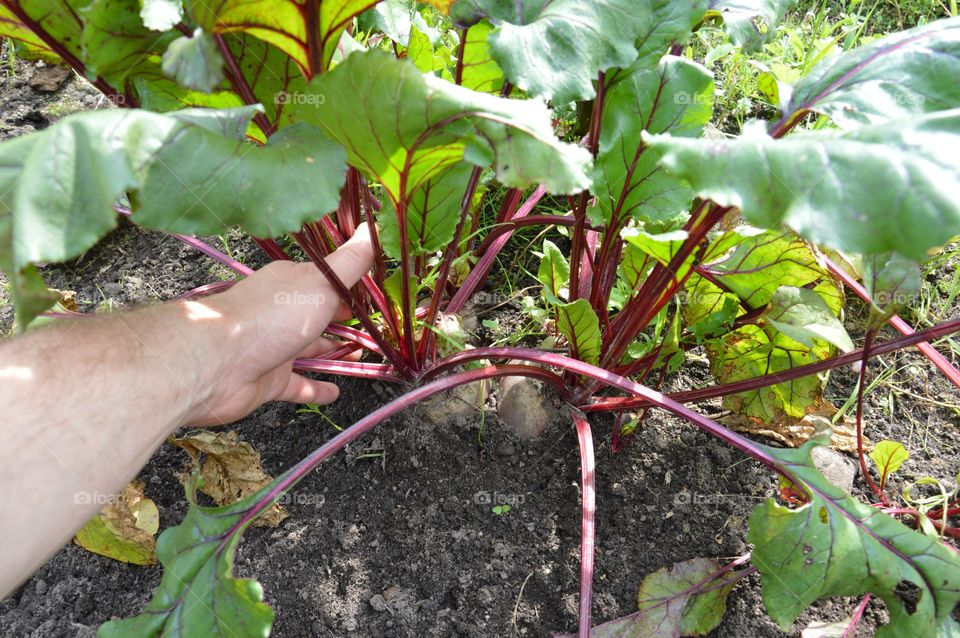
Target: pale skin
{"x":86,"y":402}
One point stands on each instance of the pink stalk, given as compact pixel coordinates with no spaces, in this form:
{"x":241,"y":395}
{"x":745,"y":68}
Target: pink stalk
{"x":379,"y":371}
{"x":453,"y":249}
{"x":202,"y":246}
{"x":352,"y":433}
{"x":855,"y":619}
{"x":479,"y":272}
{"x":352,"y":334}
{"x":340,"y":352}
{"x":360,"y":313}
{"x":206,"y":290}
{"x":902,"y":326}
{"x":605,"y":377}
{"x":587,"y":529}
{"x":272,"y":249}
{"x":702,"y":394}
{"x":213,"y":253}
{"x":302,"y":469}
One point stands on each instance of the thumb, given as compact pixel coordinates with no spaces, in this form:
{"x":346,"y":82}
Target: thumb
{"x":354,"y":259}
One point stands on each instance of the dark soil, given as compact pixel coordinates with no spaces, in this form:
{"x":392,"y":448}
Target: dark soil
{"x":394,"y":537}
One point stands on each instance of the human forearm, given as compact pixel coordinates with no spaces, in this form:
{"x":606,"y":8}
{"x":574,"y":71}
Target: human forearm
{"x":85,"y":404}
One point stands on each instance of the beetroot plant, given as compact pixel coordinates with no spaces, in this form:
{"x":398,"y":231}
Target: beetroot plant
{"x":297,"y":120}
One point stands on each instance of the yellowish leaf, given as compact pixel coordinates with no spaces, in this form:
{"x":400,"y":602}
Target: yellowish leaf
{"x":230,"y":469}
{"x":442,"y":5}
{"x":889,"y":456}
{"x":125,"y":529}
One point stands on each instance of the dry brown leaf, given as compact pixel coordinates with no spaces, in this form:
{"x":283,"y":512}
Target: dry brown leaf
{"x":125,"y":529}
{"x":68,"y":299}
{"x":794,"y":432}
{"x":230,"y":470}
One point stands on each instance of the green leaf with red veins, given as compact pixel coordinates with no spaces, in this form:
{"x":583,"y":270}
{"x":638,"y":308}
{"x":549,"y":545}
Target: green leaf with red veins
{"x":403,"y":128}
{"x":753,"y":264}
{"x":115,"y":43}
{"x":895,"y":77}
{"x":665,"y":23}
{"x":892,"y":282}
{"x":882,"y":188}
{"x":119,"y":47}
{"x":672,"y":603}
{"x":480,"y":72}
{"x":183,"y":173}
{"x":12,"y":27}
{"x":59,"y":18}
{"x":578,"y":322}
{"x":554,"y":273}
{"x":432,"y":215}
{"x":803,"y":316}
{"x":750,"y":23}
{"x":676,"y":96}
{"x":306,"y":30}
{"x":888,"y":456}
{"x":555,"y":49}
{"x":754,"y":351}
{"x":749,"y":266}
{"x":198,"y":595}
{"x":836,"y":546}
{"x":195,"y":62}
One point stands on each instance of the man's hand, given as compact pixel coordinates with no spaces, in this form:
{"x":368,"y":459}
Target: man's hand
{"x":275,"y":316}
{"x":87,"y":401}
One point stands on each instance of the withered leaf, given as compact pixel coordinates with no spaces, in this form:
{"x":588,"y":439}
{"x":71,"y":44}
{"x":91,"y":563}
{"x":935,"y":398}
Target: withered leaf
{"x":794,"y":432}
{"x":125,"y":529}
{"x":230,"y":469}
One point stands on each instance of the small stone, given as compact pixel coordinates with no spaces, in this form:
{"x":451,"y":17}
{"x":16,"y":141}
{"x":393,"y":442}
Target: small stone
{"x":835,"y":467}
{"x":506,"y":449}
{"x":112,"y":289}
{"x":350,"y":624}
{"x":486,"y":595}
{"x":414,"y":462}
{"x":40,"y":587}
{"x":49,"y":79}
{"x":378,"y":603}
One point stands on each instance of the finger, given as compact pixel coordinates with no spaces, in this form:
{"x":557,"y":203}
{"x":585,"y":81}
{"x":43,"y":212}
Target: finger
{"x":343,"y":312}
{"x":320,"y":346}
{"x":303,"y":390}
{"x":354,"y":259}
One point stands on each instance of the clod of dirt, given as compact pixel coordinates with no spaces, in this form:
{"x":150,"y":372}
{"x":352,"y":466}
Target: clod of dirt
{"x":522,"y":406}
{"x":49,"y":79}
{"x":835,"y":467}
